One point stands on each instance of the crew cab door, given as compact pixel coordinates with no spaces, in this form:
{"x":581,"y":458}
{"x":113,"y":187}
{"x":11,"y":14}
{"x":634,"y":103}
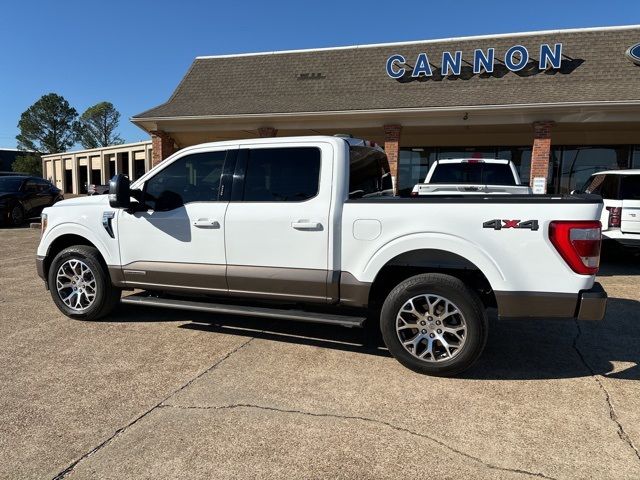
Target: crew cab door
{"x":277,"y":224}
{"x":177,"y":242}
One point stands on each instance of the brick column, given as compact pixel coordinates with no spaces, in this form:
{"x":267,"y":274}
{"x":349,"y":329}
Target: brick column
{"x":392,"y":149}
{"x":266,"y":132}
{"x":163,"y":146}
{"x":541,"y":151}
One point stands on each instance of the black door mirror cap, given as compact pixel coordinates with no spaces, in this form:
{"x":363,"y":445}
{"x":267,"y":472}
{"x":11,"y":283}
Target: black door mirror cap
{"x":119,"y":192}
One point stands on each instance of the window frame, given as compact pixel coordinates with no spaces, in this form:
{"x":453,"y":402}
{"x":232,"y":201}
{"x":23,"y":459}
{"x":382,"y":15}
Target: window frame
{"x":240,"y":173}
{"x":223,"y":187}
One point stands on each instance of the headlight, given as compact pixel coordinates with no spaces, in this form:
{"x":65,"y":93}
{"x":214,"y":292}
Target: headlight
{"x":44,"y":218}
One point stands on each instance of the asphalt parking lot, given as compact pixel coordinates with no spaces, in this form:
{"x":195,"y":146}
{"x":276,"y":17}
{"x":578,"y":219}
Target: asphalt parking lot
{"x":168,"y":394}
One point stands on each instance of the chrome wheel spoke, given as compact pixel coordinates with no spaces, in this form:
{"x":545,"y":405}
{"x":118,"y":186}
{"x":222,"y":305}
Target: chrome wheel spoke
{"x":431,"y":328}
{"x":76,"y":285}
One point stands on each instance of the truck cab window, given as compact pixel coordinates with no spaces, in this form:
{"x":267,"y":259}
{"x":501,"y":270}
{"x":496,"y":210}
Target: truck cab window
{"x":369,"y":173}
{"x":282,"y":174}
{"x":192,"y":178}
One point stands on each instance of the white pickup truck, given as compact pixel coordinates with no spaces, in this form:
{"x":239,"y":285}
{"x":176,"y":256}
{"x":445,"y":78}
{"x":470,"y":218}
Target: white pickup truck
{"x":300,"y":229}
{"x":473,"y":176}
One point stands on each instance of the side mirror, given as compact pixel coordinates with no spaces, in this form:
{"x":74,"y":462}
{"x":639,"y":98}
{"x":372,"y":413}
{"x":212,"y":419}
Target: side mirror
{"x":119,"y":192}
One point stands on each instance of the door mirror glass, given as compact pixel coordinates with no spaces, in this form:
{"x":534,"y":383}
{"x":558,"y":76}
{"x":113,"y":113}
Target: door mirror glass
{"x":119,"y":192}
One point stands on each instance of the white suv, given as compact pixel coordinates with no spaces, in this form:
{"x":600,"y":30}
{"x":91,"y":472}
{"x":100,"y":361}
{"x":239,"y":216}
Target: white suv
{"x":620,"y":191}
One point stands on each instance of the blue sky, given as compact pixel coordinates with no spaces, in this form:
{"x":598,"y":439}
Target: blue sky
{"x":133,"y":53}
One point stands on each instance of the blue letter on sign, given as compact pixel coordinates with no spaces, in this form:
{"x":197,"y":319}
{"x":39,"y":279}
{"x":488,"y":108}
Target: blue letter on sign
{"x":422,"y":66}
{"x":547,"y":56}
{"x":480,"y":61}
{"x":520,"y":64}
{"x":390,"y":63}
{"x":449,"y":62}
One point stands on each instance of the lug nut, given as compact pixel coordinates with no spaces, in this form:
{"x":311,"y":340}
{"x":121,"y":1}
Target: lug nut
{"x":424,"y":331}
{"x":423,"y":323}
{"x":439,"y":331}
{"x":438,"y":322}
{"x":429,"y":318}
{"x":431,"y":335}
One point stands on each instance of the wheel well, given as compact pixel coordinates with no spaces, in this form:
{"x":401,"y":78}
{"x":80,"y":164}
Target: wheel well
{"x":416,"y":262}
{"x":62,"y":242}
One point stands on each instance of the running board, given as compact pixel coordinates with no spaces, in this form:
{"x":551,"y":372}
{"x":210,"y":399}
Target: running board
{"x":275,"y":313}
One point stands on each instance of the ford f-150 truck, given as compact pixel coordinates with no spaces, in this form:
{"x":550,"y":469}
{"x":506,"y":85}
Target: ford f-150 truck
{"x":471,"y":175}
{"x":301,"y":229}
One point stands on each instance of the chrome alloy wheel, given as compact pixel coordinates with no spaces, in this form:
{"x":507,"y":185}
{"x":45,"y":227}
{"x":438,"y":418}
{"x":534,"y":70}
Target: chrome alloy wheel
{"x":76,"y":285}
{"x":431,"y":328}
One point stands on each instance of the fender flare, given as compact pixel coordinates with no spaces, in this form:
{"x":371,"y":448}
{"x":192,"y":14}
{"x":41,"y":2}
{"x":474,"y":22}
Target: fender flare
{"x":70,"y":228}
{"x":435,"y":241}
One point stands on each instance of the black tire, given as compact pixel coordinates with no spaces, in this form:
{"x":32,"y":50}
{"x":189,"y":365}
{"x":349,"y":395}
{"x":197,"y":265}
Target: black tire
{"x":107,"y":296}
{"x":15,"y":215}
{"x":468,"y":304}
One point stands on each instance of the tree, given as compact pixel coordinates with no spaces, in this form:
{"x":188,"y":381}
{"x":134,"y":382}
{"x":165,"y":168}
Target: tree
{"x":98,"y":126}
{"x":48,"y":126}
{"x":31,"y":164}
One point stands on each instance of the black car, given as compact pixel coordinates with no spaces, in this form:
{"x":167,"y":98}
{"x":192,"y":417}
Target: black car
{"x":23,"y":197}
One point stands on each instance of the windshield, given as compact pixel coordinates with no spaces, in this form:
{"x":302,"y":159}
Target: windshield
{"x":10,"y":184}
{"x":473,"y":173}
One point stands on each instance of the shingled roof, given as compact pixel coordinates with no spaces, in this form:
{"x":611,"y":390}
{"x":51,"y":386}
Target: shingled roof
{"x":354,"y":78}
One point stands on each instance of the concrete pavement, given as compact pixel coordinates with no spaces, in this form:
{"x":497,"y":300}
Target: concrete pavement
{"x":168,"y":394}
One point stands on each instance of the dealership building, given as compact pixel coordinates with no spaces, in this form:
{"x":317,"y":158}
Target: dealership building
{"x":559,"y":104}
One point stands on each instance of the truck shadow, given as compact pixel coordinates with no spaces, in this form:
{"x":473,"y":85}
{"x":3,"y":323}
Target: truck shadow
{"x":527,"y":349}
{"x":617,"y":264}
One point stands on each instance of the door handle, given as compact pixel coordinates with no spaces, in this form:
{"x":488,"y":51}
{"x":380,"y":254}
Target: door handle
{"x":206,"y":223}
{"x":306,"y":225}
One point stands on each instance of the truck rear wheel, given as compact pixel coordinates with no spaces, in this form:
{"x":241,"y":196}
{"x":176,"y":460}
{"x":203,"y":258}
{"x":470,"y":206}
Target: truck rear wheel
{"x":80,"y":284}
{"x":434,"y":324}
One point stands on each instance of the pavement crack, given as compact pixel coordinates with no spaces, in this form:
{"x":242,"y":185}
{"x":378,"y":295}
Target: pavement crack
{"x":368,"y":420}
{"x":64,"y":473}
{"x":624,"y":436}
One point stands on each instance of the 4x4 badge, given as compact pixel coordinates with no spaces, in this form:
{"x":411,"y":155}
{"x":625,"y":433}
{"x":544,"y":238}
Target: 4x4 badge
{"x":500,"y":224}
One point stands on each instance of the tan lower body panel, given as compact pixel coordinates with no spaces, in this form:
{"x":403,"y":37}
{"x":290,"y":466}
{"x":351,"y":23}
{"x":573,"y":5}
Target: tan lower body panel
{"x":272,"y":282}
{"x":290,"y":284}
{"x":198,"y":277}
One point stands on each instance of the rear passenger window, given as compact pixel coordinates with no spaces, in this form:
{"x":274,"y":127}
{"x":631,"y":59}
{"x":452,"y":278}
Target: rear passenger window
{"x":192,"y":178}
{"x":282,"y":174}
{"x":630,"y":187}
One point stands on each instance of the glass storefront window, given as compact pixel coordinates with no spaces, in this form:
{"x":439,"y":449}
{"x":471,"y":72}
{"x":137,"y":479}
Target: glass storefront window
{"x":521,"y":158}
{"x":413,"y":166}
{"x":579,"y":163}
{"x":569,"y":167}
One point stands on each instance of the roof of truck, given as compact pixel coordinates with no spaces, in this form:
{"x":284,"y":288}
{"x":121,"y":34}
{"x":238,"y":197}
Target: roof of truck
{"x":628,"y":171}
{"x":474,"y":160}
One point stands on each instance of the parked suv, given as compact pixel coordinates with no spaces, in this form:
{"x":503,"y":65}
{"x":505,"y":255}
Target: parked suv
{"x":620,"y":191}
{"x":303,"y":229}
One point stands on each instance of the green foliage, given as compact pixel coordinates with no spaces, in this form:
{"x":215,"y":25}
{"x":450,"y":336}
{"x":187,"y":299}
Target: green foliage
{"x":48,"y":126}
{"x":31,"y":164}
{"x":98,"y":126}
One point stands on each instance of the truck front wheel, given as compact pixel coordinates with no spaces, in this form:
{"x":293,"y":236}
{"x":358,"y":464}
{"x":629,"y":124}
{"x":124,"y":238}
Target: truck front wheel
{"x":434,"y":324}
{"x":80,"y":284}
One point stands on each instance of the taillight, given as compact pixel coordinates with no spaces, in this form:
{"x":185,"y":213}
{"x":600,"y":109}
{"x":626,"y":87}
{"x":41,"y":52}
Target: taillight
{"x":615,"y":214}
{"x":578,"y":243}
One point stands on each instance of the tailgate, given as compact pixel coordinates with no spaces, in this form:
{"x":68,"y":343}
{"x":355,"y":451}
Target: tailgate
{"x":630,"y":216}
